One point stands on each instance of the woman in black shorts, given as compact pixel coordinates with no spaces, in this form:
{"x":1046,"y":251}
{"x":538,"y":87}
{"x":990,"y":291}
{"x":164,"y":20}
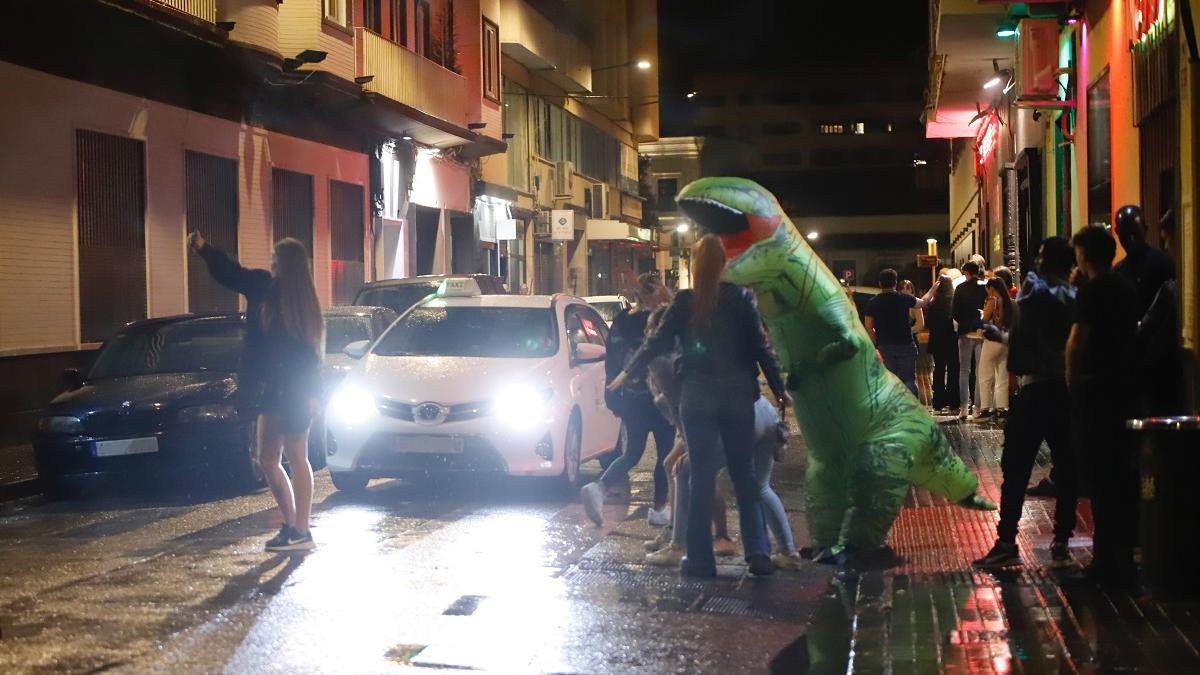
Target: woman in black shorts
{"x":279,"y":379}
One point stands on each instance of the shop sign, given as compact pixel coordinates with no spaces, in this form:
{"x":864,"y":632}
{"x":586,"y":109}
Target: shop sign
{"x":645,"y":234}
{"x":562,"y":224}
{"x":631,"y":207}
{"x":506,"y":229}
{"x":1144,"y":15}
{"x":985,"y":142}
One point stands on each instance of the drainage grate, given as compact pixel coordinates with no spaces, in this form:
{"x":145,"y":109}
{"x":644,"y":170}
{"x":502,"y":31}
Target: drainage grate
{"x":464,"y":606}
{"x":731,"y":607}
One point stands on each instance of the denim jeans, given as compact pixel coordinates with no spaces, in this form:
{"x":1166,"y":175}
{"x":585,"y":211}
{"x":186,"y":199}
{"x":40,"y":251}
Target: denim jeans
{"x":718,"y":422}
{"x":902,"y":361}
{"x":969,"y":352}
{"x":636,"y":427}
{"x":765,"y":444}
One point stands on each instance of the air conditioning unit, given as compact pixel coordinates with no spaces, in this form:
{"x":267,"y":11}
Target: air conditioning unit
{"x":564,"y":171}
{"x":599,"y":201}
{"x":541,"y":224}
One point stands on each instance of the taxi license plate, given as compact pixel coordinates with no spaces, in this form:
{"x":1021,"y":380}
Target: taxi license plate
{"x":429,"y":445}
{"x":125,"y":446}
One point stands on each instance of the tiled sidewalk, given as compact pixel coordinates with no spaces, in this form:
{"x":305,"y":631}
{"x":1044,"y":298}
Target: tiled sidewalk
{"x":933,"y":612}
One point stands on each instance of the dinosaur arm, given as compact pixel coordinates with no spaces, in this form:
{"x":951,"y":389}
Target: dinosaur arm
{"x":845,"y":345}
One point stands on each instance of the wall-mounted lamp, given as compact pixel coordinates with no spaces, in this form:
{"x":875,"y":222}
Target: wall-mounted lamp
{"x":363,"y":79}
{"x":226,"y":26}
{"x":306,"y":56}
{"x":475,"y":126}
{"x":812,"y":236}
{"x":691,"y":94}
{"x":1006,"y":30}
{"x":406,"y":136}
{"x":682,"y":228}
{"x":507,"y":135}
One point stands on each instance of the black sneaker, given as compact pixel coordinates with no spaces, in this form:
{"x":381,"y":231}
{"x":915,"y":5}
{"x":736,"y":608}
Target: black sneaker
{"x":1060,"y":554}
{"x":295,"y":541}
{"x":761,"y":565}
{"x":1044,"y":488}
{"x":1002,"y":554}
{"x":280,"y":539}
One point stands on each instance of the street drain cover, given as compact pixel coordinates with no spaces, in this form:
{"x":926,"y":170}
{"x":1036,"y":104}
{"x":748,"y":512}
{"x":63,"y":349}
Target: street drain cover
{"x":464,"y":606}
{"x":731,"y":607}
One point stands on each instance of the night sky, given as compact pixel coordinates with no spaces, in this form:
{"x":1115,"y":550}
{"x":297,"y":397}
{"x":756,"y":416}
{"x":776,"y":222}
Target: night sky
{"x":702,"y":35}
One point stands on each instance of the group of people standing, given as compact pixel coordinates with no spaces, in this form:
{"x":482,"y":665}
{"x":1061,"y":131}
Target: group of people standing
{"x":687,"y":370}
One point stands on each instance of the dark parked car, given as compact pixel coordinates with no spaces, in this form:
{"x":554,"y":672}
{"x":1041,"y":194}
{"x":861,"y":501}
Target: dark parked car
{"x":399,"y":295}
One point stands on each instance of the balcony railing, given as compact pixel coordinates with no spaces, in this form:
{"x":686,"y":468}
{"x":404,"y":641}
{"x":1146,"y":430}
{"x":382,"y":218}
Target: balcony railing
{"x":205,"y":10}
{"x":411,"y":79}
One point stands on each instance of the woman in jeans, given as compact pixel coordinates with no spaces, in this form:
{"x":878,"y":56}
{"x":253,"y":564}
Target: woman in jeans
{"x":993,"y":361}
{"x":634,"y":404}
{"x":722,"y":346}
{"x":279,"y":379}
{"x":943,"y":346}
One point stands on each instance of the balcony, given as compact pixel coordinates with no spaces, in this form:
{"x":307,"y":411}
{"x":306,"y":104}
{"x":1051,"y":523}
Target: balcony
{"x":410,"y":79}
{"x":205,"y":10}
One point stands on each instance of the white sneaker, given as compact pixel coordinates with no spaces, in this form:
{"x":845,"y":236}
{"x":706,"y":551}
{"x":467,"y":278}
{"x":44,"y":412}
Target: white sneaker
{"x":592,"y":496}
{"x":667,"y":556}
{"x":659,"y":517}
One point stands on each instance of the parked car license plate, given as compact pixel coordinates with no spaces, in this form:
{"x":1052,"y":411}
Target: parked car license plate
{"x":125,"y":446}
{"x":431,"y":445}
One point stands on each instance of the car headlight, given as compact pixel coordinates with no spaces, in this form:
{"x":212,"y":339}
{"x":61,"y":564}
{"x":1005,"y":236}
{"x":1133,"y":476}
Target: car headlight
{"x":350,"y":404}
{"x":216,"y":412}
{"x":60,"y":424}
{"x":522,"y":406}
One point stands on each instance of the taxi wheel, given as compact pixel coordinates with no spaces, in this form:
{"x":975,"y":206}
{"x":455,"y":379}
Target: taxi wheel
{"x":572,"y":446}
{"x":353,"y":482}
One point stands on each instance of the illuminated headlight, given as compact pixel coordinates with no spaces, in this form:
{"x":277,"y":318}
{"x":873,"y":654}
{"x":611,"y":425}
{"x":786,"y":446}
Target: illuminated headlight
{"x":216,"y":412}
{"x":523,"y":406}
{"x":60,"y":424}
{"x":350,"y":404}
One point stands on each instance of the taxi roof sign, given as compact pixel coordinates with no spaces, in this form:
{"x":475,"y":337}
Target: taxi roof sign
{"x":459,"y":287}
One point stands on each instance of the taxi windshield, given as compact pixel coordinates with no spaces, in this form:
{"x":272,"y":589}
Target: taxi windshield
{"x":489,"y":332}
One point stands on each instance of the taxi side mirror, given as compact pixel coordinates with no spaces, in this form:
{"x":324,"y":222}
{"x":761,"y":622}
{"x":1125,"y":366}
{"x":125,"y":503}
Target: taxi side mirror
{"x":72,"y":379}
{"x":587,"y":352}
{"x":357,"y":349}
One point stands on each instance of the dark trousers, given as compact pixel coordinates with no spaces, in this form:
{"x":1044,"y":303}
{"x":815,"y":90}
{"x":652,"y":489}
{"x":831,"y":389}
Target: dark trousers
{"x":1108,"y":464}
{"x":1040,"y":411}
{"x":901,"y":360}
{"x":636,"y":427}
{"x":718,"y":423}
{"x":945,"y":376}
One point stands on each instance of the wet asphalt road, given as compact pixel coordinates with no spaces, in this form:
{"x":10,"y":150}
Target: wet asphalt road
{"x":500,"y":575}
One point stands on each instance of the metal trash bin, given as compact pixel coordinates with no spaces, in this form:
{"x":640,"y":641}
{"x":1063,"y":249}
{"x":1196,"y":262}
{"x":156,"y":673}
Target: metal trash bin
{"x":1169,"y":468}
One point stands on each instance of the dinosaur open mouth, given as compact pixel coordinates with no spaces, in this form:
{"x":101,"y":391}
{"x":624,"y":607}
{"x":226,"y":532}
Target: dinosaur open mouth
{"x":738,"y":230}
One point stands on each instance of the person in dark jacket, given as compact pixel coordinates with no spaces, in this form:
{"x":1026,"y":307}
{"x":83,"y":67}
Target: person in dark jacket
{"x":943,"y":346}
{"x":967,"y":313}
{"x":1041,"y":408}
{"x":279,"y":379}
{"x":634,"y":404}
{"x":722,"y":346}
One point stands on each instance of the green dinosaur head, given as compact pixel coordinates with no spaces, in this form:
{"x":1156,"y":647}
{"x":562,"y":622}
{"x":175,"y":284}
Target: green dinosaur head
{"x":738,"y":210}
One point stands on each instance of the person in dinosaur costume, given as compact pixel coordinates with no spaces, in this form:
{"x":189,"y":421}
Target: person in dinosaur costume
{"x":868,"y":437}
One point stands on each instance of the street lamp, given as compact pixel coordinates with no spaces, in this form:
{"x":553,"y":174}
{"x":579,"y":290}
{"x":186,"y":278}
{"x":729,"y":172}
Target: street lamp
{"x":812,"y":236}
{"x":682,"y":228}
{"x":641,"y":64}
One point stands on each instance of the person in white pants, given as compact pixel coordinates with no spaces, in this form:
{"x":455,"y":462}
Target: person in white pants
{"x":998,"y":311}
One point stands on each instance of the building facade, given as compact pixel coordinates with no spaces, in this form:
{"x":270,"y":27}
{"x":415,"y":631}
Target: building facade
{"x":342,"y":123}
{"x":1060,"y":113}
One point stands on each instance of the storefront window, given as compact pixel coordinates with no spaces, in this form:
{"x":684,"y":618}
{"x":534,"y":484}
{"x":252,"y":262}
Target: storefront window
{"x":1099,"y":152}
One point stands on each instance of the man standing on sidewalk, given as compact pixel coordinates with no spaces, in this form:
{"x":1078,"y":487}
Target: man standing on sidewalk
{"x":967,"y":312}
{"x":887,"y":322}
{"x":1102,"y":384}
{"x":1041,"y":409}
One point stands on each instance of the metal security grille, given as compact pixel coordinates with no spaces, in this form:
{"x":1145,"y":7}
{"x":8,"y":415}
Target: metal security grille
{"x":111,"y":195}
{"x":292,"y":206}
{"x":346,"y":240}
{"x":211,"y":195}
{"x":1156,"y":98}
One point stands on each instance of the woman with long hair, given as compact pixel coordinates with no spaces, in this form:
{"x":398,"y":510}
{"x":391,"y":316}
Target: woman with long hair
{"x":634,"y":404}
{"x":722,"y":344}
{"x":999,"y":311}
{"x":943,"y":346}
{"x":279,"y":378}
{"x":924,"y":369}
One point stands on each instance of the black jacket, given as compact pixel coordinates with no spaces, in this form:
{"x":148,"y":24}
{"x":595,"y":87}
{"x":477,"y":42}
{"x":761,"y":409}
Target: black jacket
{"x":1037,"y":341}
{"x":735,"y":344}
{"x":968,"y":302}
{"x":273,"y":361}
{"x":624,"y":338}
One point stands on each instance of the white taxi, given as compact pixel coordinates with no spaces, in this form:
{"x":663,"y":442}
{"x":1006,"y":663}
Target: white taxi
{"x":465,"y":382}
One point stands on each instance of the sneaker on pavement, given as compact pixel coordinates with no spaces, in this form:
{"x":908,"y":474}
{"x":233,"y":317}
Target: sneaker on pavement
{"x":962,"y":413}
{"x":787,"y":561}
{"x":760,"y":565}
{"x":1002,"y":554}
{"x":295,"y":541}
{"x":982,"y":415}
{"x":278,"y":540}
{"x":663,"y":538}
{"x":724,"y":546}
{"x":1044,"y":488}
{"x":659,"y":517}
{"x":1060,"y":554}
{"x":668,"y":556}
{"x":592,"y":496}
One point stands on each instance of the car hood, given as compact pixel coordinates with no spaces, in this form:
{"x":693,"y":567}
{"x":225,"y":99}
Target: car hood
{"x":447,"y":380}
{"x":166,"y":391}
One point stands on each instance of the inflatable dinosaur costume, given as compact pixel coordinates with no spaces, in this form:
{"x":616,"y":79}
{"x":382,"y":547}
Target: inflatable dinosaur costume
{"x":867,"y":436}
